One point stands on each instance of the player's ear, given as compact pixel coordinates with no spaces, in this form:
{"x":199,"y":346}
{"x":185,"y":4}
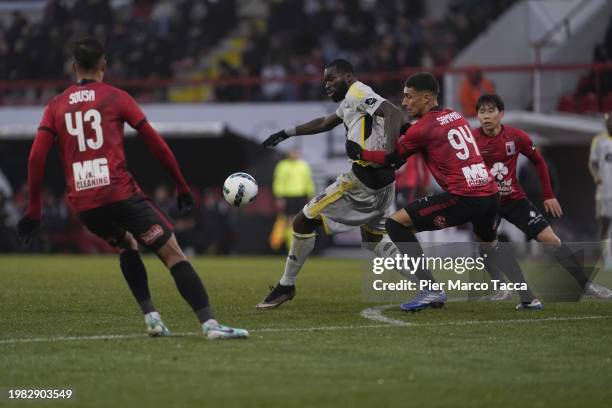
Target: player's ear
{"x":501,"y":114}
{"x":103,"y":64}
{"x":74,"y":67}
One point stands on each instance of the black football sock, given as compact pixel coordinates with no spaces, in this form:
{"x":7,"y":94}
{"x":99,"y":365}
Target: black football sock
{"x":407,"y":243}
{"x":492,"y":268}
{"x":501,"y":259}
{"x":135,"y":275}
{"x":191,"y":288}
{"x":568,"y":261}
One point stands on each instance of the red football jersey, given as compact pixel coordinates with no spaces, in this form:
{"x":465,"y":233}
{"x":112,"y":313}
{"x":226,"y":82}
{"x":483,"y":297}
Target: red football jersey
{"x":501,"y":155}
{"x":444,"y":139}
{"x":87,"y":123}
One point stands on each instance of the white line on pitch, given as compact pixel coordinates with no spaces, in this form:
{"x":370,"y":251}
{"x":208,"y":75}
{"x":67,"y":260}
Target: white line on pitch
{"x":376,"y":314}
{"x":302,"y":329}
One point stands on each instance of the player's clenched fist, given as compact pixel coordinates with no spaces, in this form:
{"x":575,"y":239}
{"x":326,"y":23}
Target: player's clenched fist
{"x":275,"y":139}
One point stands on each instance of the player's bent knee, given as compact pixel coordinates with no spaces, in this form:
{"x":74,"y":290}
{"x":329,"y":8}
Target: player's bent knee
{"x":548,"y":236}
{"x":128,"y":242}
{"x":305,"y":225}
{"x":170,"y":253}
{"x":402,"y":217}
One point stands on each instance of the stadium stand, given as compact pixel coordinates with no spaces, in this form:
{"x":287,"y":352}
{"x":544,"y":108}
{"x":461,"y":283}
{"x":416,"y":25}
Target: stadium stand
{"x":206,"y":39}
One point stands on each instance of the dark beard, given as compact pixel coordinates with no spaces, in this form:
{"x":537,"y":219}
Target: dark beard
{"x":341,"y":94}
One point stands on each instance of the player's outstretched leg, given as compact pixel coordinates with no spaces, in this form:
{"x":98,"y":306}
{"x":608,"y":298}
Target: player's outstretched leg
{"x":135,"y":275}
{"x":303,"y":243}
{"x":402,"y":234}
{"x":498,"y":258}
{"x":192,"y":289}
{"x":573,"y":266}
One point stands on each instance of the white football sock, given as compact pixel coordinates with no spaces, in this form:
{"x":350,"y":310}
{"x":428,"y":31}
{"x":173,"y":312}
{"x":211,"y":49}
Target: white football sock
{"x":154,"y":315}
{"x":301,"y":247}
{"x":211,"y":323}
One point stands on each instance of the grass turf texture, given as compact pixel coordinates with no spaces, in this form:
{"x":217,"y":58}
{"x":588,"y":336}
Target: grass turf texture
{"x":439,"y":361}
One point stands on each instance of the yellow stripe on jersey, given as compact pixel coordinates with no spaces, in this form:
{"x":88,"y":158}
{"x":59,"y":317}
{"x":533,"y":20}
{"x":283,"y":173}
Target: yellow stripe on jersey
{"x":325,"y":227}
{"x":363,"y":123}
{"x":363,"y":163}
{"x":356,"y":92}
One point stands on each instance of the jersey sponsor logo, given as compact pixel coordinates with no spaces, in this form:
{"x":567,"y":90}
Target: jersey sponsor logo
{"x":448,"y":118}
{"x":152,"y":234}
{"x":499,"y":170}
{"x":85,"y":95}
{"x":370,"y":101}
{"x":90,"y":174}
{"x":476,"y":175}
{"x":510,"y":148}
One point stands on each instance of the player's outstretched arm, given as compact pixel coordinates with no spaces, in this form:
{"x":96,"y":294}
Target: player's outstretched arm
{"x":551,"y":204}
{"x":393,"y":122}
{"x":29,"y":224}
{"x":315,"y":126}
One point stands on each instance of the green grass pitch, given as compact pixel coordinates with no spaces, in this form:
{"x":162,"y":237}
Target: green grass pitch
{"x":314,"y":351}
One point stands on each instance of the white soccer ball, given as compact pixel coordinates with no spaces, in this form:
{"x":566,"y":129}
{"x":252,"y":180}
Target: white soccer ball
{"x":240,"y":189}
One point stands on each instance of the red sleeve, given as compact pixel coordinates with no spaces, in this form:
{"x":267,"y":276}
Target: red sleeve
{"x":36,"y":170}
{"x":410,"y":142}
{"x":405,"y":146}
{"x":47,"y":122}
{"x":540,"y":164}
{"x":130,"y":111}
{"x":528,"y":148}
{"x":158,"y":146}
{"x":374,"y":156}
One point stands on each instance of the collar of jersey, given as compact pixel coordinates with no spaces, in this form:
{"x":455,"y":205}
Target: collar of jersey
{"x":83,"y":82}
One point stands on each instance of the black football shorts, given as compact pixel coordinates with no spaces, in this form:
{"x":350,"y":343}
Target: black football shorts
{"x":525,"y":216}
{"x":445,"y":210}
{"x":138,"y":215}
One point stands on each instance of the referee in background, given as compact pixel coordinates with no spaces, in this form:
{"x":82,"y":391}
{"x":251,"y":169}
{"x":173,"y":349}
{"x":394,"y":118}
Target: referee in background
{"x":292,"y":187}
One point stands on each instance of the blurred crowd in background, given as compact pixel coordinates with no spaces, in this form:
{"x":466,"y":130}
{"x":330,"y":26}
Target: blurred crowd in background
{"x":268,"y":50}
{"x":163,"y":39}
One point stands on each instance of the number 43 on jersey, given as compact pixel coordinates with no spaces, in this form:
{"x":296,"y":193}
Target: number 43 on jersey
{"x":89,"y":173}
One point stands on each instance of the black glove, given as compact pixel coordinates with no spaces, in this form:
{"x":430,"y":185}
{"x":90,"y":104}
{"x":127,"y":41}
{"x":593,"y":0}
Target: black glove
{"x":405,"y":127}
{"x":27,"y":229}
{"x":185,"y":203}
{"x":353,"y":150}
{"x":275,"y":139}
{"x":394,"y":160}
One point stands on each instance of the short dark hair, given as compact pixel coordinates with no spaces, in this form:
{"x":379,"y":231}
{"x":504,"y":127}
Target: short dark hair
{"x":342,"y":65}
{"x":423,"y":82}
{"x":87,"y":52}
{"x":490,"y":99}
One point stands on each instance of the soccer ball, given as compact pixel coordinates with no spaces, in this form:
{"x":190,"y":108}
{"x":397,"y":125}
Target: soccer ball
{"x":240,"y":189}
